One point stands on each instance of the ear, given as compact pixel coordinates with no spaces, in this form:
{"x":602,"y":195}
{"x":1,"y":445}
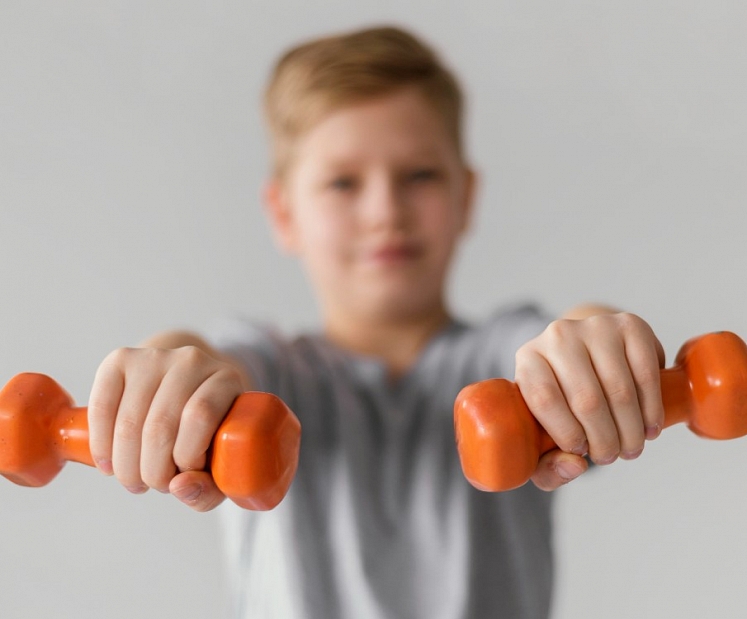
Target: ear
{"x":277,"y":206}
{"x":468,"y":197}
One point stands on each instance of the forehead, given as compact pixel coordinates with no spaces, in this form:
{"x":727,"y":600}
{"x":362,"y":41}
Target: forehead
{"x":402,"y":125}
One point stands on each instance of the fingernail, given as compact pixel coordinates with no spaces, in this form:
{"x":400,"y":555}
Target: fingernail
{"x":605,"y":461}
{"x":568,"y":470}
{"x":652,"y":432}
{"x":631,"y":455}
{"x":582,"y":449}
{"x":189,"y":493}
{"x":136,"y":489}
{"x":104,"y":465}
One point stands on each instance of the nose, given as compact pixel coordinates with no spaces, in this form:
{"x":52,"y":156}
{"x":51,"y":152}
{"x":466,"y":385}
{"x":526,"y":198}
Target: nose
{"x":382,"y":204}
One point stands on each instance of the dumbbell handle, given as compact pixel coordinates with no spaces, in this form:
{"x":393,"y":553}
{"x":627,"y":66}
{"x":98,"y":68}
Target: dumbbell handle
{"x":500,"y":442}
{"x":253,"y":455}
{"x":72,"y":426}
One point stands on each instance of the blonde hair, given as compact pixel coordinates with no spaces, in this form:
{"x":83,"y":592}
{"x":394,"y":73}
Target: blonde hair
{"x":324,"y":74}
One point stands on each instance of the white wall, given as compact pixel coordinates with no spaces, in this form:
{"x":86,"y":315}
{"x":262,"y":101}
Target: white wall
{"x":612,"y":143}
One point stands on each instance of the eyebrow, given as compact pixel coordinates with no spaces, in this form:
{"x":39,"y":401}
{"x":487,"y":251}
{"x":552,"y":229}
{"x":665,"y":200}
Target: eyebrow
{"x":342,"y":162}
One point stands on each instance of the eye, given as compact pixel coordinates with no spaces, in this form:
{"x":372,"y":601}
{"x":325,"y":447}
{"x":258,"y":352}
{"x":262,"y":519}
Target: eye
{"x":423,"y":175}
{"x":342,"y":183}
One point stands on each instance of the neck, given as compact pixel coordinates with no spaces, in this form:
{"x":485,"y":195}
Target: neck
{"x":397,"y":342}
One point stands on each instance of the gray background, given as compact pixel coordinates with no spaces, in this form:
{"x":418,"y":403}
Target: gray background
{"x":611,"y":142}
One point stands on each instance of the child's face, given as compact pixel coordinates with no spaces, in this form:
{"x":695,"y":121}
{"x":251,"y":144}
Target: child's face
{"x":374,"y":202}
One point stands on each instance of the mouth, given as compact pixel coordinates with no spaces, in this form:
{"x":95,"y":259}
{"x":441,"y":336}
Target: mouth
{"x":395,"y":253}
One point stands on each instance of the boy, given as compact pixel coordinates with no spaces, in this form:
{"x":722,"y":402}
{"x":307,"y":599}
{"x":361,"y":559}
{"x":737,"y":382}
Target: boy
{"x":371,"y":190}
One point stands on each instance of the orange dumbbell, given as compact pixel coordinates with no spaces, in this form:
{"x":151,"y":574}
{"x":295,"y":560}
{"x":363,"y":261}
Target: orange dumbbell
{"x":254,"y":452}
{"x":500,"y":442}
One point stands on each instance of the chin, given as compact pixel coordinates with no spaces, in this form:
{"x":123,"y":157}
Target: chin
{"x":398,"y":307}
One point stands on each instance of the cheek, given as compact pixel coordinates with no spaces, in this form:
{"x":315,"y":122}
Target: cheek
{"x":442,"y":222}
{"x":324,"y":236}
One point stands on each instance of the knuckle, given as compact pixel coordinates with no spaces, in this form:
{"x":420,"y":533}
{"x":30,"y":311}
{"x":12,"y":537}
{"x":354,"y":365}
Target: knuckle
{"x":648,"y":377}
{"x":98,"y":409}
{"x":201,"y":413}
{"x":524,"y":355}
{"x":118,"y":357}
{"x":158,"y":432}
{"x":558,"y":330}
{"x":599,"y":325}
{"x":113,"y":363}
{"x":588,"y":404}
{"x":596,"y":319}
{"x":231,"y":375}
{"x":128,"y":429}
{"x":630,"y":322}
{"x":623,"y":394}
{"x":542,"y":397}
{"x":191,"y":355}
{"x":121,"y":359}
{"x":151,"y":356}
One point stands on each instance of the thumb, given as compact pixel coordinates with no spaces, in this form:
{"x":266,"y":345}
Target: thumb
{"x":197,"y":490}
{"x":557,"y":468}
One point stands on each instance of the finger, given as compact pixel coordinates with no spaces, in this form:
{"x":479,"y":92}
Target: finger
{"x":557,"y":468}
{"x":619,"y":389}
{"x":202,"y":415}
{"x":103,"y":404}
{"x":197,"y":490}
{"x":542,"y":394}
{"x":645,"y":365}
{"x":189,"y":368}
{"x":580,"y":386}
{"x":161,"y":426}
{"x":128,"y":428}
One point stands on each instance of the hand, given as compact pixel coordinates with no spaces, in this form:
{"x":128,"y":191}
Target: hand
{"x":152,"y":415}
{"x":594,"y":385}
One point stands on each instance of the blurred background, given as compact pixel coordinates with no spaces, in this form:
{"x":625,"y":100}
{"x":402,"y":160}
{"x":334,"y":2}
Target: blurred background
{"x":611,"y":139}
